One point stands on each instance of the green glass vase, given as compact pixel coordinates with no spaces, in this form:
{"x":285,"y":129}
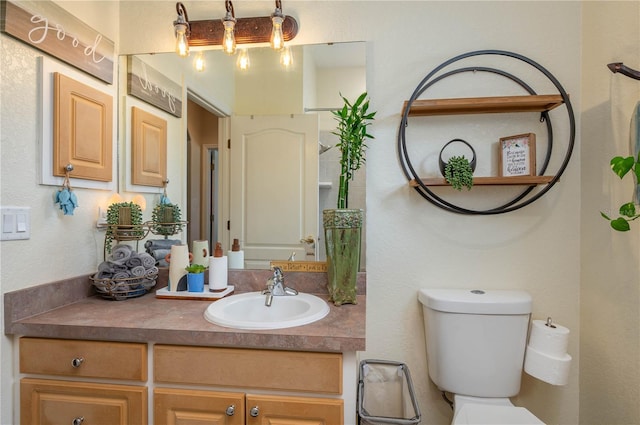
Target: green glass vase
{"x":342,"y":235}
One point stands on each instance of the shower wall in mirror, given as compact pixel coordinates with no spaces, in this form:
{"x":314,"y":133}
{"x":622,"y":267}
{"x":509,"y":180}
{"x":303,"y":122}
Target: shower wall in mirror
{"x":312,"y":86}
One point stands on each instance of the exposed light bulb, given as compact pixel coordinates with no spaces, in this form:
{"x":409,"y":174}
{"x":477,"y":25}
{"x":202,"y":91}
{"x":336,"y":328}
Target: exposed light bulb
{"x":277,"y":38}
{"x":286,"y":57}
{"x":229,"y":40}
{"x":199,"y":63}
{"x":182,"y":43}
{"x":140,"y":201}
{"x":243,"y":60}
{"x":182,"y":30}
{"x":115,"y":199}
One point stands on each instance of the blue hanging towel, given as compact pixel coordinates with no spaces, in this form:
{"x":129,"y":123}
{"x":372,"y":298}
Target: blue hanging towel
{"x":164,"y":200}
{"x":67,"y":200}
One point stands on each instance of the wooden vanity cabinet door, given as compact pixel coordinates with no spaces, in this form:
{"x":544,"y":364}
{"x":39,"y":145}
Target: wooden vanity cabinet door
{"x":284,"y":410}
{"x":172,"y":406}
{"x":44,"y":402}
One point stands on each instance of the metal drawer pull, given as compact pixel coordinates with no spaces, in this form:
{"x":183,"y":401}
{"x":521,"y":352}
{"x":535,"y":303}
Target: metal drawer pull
{"x":231,"y":410}
{"x":254,"y":412}
{"x":76,"y":363}
{"x":77,"y":421}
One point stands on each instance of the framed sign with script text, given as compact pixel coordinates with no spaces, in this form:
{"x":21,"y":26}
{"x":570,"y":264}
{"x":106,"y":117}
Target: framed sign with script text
{"x":517,"y":155}
{"x":51,"y":29}
{"x":149,"y":85}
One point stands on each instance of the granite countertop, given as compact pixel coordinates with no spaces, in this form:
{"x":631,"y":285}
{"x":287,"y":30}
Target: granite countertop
{"x":70,"y":309}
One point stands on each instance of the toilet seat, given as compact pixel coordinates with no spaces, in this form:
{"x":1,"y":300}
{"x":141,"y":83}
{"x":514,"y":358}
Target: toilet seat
{"x":481,"y":414}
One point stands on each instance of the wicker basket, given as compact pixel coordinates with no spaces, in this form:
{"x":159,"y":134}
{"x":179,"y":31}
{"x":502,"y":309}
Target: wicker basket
{"x":122,"y":289}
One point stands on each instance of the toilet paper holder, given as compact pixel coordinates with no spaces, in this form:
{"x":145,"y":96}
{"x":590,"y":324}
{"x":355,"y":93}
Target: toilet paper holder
{"x":550,"y":323}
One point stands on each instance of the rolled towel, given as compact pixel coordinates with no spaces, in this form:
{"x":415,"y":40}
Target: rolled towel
{"x":105,"y":267}
{"x":124,"y":274}
{"x":100,"y":285}
{"x":121,"y":252}
{"x":159,"y":255}
{"x":137,"y":271}
{"x":153,"y":244}
{"x":103,"y":275}
{"x":148,"y":284}
{"x":152,"y":272}
{"x":118,"y":264}
{"x":118,"y":267}
{"x":134,"y":261}
{"x":147,"y":260}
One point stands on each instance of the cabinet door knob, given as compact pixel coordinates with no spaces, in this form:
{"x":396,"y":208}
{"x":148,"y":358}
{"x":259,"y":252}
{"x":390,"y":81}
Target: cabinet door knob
{"x":231,"y":410}
{"x":76,"y":363}
{"x":77,"y":421}
{"x":254,"y":412}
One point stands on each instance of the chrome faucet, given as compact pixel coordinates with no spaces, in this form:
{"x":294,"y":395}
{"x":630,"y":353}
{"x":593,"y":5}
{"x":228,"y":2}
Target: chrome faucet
{"x":276,"y":287}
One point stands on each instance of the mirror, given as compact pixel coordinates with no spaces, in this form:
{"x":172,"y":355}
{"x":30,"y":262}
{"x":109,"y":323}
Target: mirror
{"x":220,"y":94}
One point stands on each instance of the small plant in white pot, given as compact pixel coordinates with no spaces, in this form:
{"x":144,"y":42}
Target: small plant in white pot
{"x":343,"y":226}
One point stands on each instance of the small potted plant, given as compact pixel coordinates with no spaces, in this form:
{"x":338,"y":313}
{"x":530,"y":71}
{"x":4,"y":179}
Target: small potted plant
{"x":621,"y":166}
{"x":458,"y":172}
{"x":165,"y":219}
{"x":195,"y":277}
{"x":124,"y":222}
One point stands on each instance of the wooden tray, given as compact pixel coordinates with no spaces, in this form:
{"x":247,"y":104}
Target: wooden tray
{"x":186,"y":295}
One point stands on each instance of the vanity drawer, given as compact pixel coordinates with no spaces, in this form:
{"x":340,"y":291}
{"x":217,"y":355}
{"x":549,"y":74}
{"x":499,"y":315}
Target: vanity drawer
{"x":90,"y":359}
{"x":262,"y":369}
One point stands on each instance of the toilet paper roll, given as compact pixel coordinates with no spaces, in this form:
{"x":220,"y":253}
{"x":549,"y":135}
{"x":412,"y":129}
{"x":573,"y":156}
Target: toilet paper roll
{"x":236,"y":259}
{"x":179,"y":259}
{"x":551,"y":369}
{"x":549,"y":340}
{"x":218,"y":273}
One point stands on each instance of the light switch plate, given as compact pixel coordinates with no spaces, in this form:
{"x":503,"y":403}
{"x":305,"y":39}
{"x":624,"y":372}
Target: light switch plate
{"x":15,"y":223}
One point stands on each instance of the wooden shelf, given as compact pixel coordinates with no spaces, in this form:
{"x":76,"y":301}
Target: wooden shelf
{"x":490,"y":181}
{"x":483,"y":105}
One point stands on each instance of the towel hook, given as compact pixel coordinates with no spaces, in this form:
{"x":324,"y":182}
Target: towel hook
{"x":66,"y":183}
{"x":65,"y":197}
{"x":164,"y":199}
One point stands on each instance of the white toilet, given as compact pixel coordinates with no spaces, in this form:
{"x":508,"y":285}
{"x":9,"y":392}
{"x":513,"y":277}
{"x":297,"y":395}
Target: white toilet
{"x":476,"y":342}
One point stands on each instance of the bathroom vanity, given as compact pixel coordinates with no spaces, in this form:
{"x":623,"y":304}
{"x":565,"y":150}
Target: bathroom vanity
{"x":149,"y":360}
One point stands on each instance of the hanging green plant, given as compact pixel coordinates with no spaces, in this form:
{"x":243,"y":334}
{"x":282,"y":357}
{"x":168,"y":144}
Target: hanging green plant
{"x":458,"y":172}
{"x":124,"y":222}
{"x":166,"y":219}
{"x":628,"y":213}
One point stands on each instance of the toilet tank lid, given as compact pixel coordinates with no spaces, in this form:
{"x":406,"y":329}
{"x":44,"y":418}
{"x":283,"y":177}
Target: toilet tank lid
{"x":476,"y":301}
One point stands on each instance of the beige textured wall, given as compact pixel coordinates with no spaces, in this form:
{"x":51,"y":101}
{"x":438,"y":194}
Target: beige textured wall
{"x":610,"y":289}
{"x":410,"y":243}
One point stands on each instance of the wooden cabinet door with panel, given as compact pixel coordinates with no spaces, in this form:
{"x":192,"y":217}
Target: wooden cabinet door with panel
{"x":173,"y":406}
{"x":284,"y":410}
{"x":44,"y":402}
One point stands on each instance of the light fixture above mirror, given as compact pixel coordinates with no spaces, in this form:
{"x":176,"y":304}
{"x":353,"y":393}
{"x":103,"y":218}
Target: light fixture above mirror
{"x":274,"y":29}
{"x":182,"y":30}
{"x":229,"y":23}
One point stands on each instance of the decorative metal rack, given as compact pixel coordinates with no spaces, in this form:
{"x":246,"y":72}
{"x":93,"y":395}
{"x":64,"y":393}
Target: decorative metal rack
{"x":532,"y":102}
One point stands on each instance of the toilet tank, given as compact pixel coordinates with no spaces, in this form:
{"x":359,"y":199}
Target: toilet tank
{"x":476,"y":339}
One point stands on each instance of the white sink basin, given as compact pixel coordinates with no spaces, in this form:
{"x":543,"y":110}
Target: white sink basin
{"x":248,"y":311}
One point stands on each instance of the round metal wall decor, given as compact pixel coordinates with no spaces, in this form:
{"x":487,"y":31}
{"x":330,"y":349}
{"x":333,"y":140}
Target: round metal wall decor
{"x":443,"y":71}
